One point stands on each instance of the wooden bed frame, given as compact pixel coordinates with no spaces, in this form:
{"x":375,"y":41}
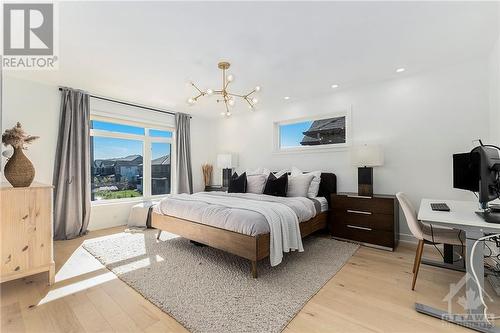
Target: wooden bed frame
{"x":253,"y":248}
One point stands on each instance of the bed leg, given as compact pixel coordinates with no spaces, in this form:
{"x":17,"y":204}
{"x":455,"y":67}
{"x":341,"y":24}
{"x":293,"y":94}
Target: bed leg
{"x":159,"y":234}
{"x":254,"y":269}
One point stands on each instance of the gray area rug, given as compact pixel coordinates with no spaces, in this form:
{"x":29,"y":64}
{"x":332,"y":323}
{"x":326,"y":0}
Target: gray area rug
{"x":208,"y":290}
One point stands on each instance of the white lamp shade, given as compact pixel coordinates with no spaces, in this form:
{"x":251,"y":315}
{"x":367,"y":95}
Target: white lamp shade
{"x":367,"y":156}
{"x":227,"y":161}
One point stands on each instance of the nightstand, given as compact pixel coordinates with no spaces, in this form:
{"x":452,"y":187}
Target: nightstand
{"x":215,"y":188}
{"x":372,"y":221}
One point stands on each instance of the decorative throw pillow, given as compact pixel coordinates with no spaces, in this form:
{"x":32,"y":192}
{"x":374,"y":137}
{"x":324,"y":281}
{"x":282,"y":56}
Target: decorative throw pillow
{"x":314,"y":187}
{"x":276,"y":186}
{"x":298,"y":186}
{"x":256,"y":183}
{"x":281,"y":173}
{"x":238,"y":184}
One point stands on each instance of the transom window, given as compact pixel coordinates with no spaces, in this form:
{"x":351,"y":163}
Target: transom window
{"x":129,"y":160}
{"x":312,"y":133}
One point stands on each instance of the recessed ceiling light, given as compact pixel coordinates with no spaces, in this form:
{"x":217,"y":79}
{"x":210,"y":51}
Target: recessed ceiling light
{"x":286,"y":97}
{"x":400,"y":70}
{"x":335,"y":86}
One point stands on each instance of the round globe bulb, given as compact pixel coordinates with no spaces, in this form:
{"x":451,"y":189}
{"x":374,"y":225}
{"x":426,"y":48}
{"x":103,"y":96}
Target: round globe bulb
{"x":257,"y":89}
{"x":210,"y":92}
{"x":231,"y":102}
{"x":191,"y":101}
{"x":255,"y":100}
{"x":230,"y":78}
{"x":228,"y":114}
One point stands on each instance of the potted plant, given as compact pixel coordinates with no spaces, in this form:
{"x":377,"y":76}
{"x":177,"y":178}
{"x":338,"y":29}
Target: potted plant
{"x":19,"y":170}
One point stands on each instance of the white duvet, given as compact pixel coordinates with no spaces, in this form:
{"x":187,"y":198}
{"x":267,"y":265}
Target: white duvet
{"x":283,"y":214}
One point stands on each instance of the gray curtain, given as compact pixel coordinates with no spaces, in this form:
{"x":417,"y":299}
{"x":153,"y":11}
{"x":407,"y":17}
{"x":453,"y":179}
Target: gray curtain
{"x":72,"y":166}
{"x":183,"y":147}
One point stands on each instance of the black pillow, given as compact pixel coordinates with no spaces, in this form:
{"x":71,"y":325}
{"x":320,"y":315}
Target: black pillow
{"x":276,"y":186}
{"x":238,"y":184}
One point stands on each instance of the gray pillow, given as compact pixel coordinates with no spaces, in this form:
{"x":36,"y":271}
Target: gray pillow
{"x":256,"y":183}
{"x":298,"y":186}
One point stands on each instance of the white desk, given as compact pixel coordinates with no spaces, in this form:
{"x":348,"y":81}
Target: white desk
{"x":462,"y":216}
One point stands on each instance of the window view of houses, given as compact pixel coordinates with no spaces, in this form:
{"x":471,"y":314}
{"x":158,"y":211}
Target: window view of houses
{"x":313,"y":132}
{"x":118,"y":163}
{"x":122,"y":177}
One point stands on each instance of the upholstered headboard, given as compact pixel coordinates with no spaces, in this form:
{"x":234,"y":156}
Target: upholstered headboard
{"x":327,"y":186}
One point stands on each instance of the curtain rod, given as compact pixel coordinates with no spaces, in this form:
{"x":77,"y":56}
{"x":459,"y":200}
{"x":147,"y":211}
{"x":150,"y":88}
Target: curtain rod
{"x":130,"y":104}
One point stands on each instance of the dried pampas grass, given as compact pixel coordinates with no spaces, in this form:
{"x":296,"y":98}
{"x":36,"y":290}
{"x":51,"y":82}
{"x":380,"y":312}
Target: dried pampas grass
{"x":207,"y":173}
{"x":17,"y":137}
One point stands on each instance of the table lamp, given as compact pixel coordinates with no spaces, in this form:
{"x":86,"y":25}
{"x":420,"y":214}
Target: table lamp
{"x":226,"y":162}
{"x":365,"y":157}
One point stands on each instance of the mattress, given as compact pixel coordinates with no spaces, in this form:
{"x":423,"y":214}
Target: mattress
{"x":244,"y":221}
{"x":322,"y":202}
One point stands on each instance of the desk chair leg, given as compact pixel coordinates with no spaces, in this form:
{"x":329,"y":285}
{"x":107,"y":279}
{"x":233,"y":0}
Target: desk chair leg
{"x":418,"y":259}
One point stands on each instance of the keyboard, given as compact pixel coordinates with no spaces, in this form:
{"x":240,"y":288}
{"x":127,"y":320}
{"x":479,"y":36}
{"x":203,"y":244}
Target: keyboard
{"x":441,"y":207}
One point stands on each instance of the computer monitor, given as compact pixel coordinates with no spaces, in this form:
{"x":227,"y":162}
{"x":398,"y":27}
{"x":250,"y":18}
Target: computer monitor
{"x":466,"y":171}
{"x":489,"y":171}
{"x":479,"y":171}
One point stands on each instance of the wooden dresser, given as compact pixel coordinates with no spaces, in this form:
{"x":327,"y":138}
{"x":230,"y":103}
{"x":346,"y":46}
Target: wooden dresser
{"x":369,"y":220}
{"x":26,"y":231}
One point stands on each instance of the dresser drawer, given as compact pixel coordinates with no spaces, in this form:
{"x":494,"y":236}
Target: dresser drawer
{"x":360,"y":204}
{"x":363,"y":219}
{"x":363,"y":234}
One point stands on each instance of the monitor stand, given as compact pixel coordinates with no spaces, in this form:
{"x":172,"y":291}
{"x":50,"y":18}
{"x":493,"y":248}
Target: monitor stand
{"x":490,"y":217}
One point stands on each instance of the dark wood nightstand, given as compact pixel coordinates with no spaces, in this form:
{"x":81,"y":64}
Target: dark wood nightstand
{"x":372,"y":221}
{"x":215,"y":188}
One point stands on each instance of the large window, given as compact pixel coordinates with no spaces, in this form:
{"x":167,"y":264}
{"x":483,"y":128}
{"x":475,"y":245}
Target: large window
{"x":315,"y":132}
{"x":129,"y":160}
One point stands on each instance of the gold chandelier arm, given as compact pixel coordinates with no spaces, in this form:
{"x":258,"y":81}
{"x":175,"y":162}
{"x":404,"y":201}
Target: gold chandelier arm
{"x":198,"y":96}
{"x":227,"y":107}
{"x":236,"y":95}
{"x":199,"y":90}
{"x":251,"y":105}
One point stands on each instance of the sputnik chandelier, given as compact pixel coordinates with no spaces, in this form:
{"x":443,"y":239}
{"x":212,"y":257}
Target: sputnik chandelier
{"x":226,"y":97}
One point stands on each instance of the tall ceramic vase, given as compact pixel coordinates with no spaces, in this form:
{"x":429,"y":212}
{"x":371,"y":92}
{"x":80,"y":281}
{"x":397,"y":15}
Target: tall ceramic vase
{"x":19,"y":170}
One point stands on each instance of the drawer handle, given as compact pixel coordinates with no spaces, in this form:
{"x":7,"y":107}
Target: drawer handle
{"x":359,"y":212}
{"x":359,"y":196}
{"x":361,"y":228}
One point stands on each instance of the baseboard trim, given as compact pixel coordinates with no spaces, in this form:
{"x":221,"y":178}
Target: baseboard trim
{"x":407,"y":238}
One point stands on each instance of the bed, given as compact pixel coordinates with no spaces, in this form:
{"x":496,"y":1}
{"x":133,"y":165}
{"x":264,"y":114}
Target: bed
{"x":250,"y":240}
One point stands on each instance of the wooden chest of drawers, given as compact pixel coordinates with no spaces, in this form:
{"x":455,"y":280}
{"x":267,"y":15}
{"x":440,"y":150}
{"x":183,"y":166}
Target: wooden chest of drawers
{"x":26,"y":231}
{"x":368,"y":220}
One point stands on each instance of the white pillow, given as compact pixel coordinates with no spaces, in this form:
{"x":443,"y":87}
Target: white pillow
{"x":314,"y":187}
{"x":256,"y":183}
{"x":258,"y":171}
{"x":298,"y":186}
{"x":279,"y":173}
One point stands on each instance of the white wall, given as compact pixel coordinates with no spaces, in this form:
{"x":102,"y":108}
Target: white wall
{"x":420,"y":119}
{"x":36,"y":106}
{"x":494,"y":70}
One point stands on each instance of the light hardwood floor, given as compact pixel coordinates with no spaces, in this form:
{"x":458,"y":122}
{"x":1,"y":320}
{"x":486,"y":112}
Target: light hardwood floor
{"x":371,"y":293}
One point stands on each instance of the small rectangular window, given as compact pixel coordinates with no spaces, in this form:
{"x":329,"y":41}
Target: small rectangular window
{"x":305,"y":134}
{"x":117,"y":128}
{"x":160,"y":133}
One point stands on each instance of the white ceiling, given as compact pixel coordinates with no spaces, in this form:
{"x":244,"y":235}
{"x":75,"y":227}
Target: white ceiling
{"x":145,"y":52}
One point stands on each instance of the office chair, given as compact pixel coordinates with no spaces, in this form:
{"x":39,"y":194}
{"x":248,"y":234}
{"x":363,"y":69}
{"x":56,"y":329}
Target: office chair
{"x":426,"y":233}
